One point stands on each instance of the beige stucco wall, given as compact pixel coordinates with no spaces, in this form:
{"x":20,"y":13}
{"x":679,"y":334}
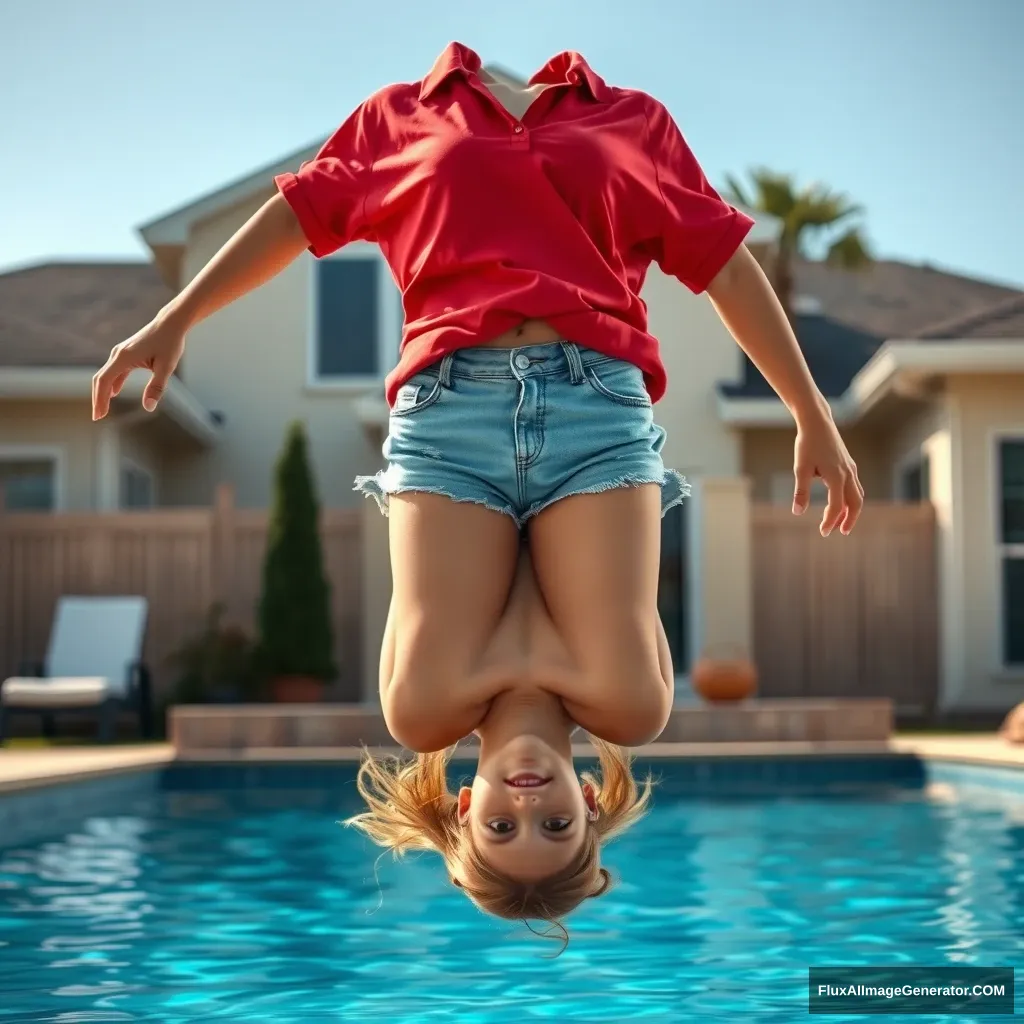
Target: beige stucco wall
{"x":88,"y":455}
{"x":698,"y":353}
{"x":981,"y":409}
{"x":63,"y":429}
{"x":249,"y":363}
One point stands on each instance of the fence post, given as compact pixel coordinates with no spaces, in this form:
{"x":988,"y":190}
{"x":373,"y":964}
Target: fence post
{"x":222,"y":542}
{"x":722,"y":584}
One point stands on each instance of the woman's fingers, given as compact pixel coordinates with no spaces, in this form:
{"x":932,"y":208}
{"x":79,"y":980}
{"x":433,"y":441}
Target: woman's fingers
{"x":104,"y":380}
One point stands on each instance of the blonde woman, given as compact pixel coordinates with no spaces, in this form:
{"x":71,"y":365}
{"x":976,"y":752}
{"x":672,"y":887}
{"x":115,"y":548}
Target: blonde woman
{"x":523,"y":841}
{"x":519,"y":223}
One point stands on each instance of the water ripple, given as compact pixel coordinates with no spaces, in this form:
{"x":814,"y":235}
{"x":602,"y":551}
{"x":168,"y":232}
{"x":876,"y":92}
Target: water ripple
{"x":235,"y":907}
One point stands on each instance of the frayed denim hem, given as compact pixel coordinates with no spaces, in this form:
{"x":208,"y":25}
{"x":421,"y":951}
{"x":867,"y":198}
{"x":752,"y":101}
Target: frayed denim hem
{"x":674,"y":490}
{"x":371,"y":487}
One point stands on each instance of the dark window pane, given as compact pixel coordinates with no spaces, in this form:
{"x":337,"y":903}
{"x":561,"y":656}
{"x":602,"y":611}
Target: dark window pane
{"x":912,"y":489}
{"x":1013,"y":611}
{"x":1011,"y":491}
{"x":673,"y":586}
{"x":916,"y":486}
{"x":347,"y":315}
{"x":136,"y":489}
{"x":28,"y":486}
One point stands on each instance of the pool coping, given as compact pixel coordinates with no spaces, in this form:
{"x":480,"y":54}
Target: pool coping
{"x":26,"y":770}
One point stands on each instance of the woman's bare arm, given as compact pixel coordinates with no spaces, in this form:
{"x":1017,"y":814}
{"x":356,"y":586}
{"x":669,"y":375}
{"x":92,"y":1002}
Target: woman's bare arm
{"x":260,"y":249}
{"x":267,"y":243}
{"x":749,"y":308}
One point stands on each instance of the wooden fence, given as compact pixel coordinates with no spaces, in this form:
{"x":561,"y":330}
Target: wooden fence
{"x":849,"y":616}
{"x":182,"y":560}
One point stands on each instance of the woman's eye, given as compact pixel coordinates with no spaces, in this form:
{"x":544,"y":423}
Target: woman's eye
{"x":557,"y":824}
{"x":501,"y":827}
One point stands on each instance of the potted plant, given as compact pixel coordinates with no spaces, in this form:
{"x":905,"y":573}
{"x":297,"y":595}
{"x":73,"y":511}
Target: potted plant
{"x":295,"y":647}
{"x":216,"y":665}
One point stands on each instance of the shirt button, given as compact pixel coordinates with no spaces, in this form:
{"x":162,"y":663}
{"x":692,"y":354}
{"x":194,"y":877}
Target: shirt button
{"x":518,"y":128}
{"x":522,"y":362}
{"x":573,"y":77}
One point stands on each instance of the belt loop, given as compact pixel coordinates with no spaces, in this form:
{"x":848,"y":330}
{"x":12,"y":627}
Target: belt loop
{"x":444,"y":372}
{"x":575,"y":361}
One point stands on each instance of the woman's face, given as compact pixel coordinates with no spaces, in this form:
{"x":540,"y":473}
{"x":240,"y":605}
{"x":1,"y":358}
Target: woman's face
{"x":527,"y":810}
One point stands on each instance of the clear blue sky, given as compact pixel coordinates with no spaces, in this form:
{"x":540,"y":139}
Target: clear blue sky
{"x":114,"y":111}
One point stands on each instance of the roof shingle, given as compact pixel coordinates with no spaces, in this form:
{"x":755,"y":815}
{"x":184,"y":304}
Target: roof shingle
{"x":72,"y":314}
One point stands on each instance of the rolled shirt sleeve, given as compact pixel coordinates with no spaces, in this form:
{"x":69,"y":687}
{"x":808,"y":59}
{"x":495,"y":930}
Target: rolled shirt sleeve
{"x":328,"y":193}
{"x":700,"y":231}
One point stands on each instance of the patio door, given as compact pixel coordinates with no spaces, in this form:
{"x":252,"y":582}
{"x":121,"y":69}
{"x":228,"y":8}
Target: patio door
{"x":674,"y":599}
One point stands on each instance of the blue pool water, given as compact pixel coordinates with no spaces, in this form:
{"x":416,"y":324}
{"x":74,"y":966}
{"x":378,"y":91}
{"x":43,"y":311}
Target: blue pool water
{"x":190,"y":902}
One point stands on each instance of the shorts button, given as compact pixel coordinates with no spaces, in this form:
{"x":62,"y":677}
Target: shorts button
{"x":522,"y":362}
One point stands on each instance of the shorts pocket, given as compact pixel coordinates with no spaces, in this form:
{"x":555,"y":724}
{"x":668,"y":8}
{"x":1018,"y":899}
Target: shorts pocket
{"x":618,"y":381}
{"x":420,"y":391}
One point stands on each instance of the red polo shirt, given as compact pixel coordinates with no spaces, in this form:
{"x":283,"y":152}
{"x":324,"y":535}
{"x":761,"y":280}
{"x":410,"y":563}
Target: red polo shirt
{"x":487,"y":221}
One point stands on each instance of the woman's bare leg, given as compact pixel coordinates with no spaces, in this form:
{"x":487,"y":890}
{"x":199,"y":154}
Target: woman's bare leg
{"x":452,"y":566}
{"x":596,"y":558}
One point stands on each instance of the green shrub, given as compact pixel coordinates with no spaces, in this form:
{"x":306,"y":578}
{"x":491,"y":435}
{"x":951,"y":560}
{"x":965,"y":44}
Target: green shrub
{"x":295,"y":636}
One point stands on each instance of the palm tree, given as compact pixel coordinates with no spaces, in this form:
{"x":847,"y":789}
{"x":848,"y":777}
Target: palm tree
{"x":811,"y":212}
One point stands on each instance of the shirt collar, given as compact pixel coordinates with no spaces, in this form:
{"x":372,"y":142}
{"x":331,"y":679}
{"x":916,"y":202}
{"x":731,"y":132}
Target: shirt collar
{"x":455,"y":57}
{"x":569,"y":68}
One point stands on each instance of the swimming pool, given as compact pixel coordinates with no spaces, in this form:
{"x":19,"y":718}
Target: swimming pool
{"x":196,"y":894}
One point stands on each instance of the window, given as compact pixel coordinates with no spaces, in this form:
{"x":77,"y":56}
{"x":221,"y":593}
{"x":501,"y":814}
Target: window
{"x":136,"y":486}
{"x":674,"y":585}
{"x":915,"y":483}
{"x":1010,"y":479}
{"x":29,"y":483}
{"x":356,"y":318}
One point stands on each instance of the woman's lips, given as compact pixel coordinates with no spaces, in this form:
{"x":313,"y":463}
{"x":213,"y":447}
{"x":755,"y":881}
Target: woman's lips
{"x":527,"y":780}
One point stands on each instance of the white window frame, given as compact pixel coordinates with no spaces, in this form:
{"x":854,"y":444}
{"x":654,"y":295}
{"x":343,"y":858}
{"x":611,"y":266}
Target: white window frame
{"x":389,"y":324}
{"x":42,"y":453}
{"x":916,"y":456}
{"x":136,"y":467}
{"x":1001,"y":550}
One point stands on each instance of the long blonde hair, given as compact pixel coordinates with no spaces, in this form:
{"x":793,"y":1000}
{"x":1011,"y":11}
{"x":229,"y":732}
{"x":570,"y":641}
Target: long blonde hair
{"x":410,"y":807}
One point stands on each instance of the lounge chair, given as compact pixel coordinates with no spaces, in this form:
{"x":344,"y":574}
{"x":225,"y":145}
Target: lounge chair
{"x":93,"y":666}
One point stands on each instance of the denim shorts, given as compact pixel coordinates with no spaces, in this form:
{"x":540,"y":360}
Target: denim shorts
{"x":519,"y":429}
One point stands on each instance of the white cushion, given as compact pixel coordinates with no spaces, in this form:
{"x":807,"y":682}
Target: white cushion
{"x":66,"y":692}
{"x":97,"y":637}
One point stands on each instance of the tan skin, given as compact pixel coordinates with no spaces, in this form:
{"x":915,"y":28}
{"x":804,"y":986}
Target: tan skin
{"x":466,"y":650}
{"x":523,"y":697}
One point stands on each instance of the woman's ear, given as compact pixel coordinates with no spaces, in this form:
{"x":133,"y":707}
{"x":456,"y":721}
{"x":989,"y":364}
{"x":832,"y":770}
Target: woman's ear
{"x":590,"y":799}
{"x":465,"y":797}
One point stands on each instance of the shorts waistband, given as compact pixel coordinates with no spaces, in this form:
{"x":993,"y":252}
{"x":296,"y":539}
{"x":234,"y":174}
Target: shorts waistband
{"x":556,"y":357}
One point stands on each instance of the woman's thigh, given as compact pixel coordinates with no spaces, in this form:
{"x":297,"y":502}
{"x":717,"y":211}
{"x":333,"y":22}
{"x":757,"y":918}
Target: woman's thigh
{"x":452,"y":566}
{"x":596,"y":557}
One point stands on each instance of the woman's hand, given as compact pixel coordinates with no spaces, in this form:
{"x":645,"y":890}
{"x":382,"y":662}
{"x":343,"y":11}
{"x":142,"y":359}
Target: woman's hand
{"x":157,"y":348}
{"x":820,"y":452}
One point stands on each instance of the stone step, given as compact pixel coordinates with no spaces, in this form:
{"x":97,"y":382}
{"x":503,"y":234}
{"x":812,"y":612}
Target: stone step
{"x":195,"y":728}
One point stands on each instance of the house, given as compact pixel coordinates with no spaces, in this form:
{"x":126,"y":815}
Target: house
{"x":924,"y":369}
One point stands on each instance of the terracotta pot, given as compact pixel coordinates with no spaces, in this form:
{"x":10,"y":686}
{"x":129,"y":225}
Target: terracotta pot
{"x":724,"y":676}
{"x":297,"y":690}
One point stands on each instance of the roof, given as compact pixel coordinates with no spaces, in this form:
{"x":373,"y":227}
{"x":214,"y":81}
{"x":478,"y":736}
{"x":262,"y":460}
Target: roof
{"x":1004,"y":319}
{"x":834,"y":352}
{"x":72,"y":314}
{"x":895,"y":300}
{"x":861,"y":310}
